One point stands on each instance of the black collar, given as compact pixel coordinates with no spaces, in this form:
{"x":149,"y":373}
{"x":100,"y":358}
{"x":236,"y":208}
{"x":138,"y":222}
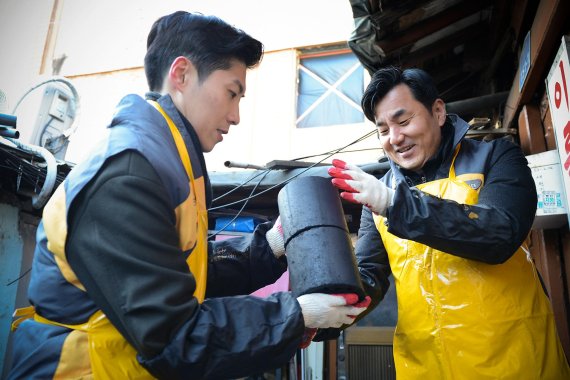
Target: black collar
{"x":196,"y":145}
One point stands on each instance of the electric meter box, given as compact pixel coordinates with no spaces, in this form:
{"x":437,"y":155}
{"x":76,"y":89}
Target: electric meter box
{"x":55,"y":117}
{"x":551,"y":210}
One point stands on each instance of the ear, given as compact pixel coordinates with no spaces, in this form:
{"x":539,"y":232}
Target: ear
{"x":439,"y":112}
{"x":179,"y":73}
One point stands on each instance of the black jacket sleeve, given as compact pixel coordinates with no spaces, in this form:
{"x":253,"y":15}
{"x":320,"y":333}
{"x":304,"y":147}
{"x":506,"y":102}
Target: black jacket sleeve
{"x":122,"y":245}
{"x":247,"y":263}
{"x":489,"y":231}
{"x":373,"y":265}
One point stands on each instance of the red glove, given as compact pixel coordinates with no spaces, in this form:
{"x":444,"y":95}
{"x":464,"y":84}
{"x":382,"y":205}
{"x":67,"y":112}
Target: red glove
{"x":361,"y":187}
{"x":327,"y":310}
{"x":308,"y":336}
{"x":363,"y":304}
{"x":352,"y":299}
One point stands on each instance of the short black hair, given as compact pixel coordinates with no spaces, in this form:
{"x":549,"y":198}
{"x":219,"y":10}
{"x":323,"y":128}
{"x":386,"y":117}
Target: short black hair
{"x":421,"y":85}
{"x":209,"y":42}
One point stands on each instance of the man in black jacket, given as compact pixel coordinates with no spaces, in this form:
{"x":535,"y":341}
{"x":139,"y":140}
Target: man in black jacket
{"x":125,"y":283}
{"x":448,"y":221}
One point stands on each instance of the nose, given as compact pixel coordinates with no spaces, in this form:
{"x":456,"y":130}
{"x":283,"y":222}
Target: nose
{"x":396,"y":136}
{"x":233,"y":116}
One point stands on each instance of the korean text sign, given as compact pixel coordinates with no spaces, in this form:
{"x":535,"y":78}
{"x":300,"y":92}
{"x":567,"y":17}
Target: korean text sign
{"x":558,"y":85}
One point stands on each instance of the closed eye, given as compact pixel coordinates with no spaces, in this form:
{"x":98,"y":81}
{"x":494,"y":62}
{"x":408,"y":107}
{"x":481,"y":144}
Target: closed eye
{"x":406,"y":121}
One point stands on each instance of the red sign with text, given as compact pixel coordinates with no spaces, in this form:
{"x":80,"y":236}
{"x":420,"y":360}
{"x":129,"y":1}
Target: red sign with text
{"x":557,"y":85}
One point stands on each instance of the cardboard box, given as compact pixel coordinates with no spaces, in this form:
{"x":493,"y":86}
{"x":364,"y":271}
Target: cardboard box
{"x":551,"y":211}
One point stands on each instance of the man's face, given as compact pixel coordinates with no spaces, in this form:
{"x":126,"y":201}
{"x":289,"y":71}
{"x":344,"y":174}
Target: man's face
{"x":409,"y":134}
{"x":213,"y":105}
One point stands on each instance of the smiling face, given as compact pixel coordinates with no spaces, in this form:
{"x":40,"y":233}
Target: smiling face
{"x":409,"y":134}
{"x":210,"y":105}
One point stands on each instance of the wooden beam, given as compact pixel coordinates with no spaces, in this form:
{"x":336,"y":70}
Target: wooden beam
{"x":433,"y":24}
{"x":531,"y":132}
{"x":444,"y":45}
{"x":546,"y":252}
{"x":555,"y":283}
{"x":331,"y":353}
{"x":517,"y":17}
{"x":503,"y":34}
{"x":395,"y":12}
{"x":51,"y":37}
{"x":545,"y":35}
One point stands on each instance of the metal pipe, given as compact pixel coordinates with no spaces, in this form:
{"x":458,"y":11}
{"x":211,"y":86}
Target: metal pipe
{"x":242,"y":165}
{"x":8,"y":125}
{"x":475,"y":104}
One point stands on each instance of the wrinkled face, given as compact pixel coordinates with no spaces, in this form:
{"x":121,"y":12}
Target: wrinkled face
{"x":409,"y":134}
{"x":212,"y":106}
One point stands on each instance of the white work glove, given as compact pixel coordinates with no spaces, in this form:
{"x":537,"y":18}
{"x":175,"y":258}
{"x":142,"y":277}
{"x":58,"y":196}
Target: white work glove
{"x":324,"y":310}
{"x":275,"y":238}
{"x":361,"y":187}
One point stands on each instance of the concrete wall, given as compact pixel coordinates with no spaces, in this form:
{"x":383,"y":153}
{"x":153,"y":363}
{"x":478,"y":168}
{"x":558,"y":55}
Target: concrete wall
{"x":17,"y":243}
{"x":267,"y":129}
{"x":104,"y":43}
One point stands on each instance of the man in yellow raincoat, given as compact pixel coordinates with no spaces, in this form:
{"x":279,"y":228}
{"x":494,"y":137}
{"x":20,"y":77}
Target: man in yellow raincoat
{"x":448,"y":221}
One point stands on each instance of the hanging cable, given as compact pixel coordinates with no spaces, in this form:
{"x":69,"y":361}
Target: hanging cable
{"x":40,"y":199}
{"x":241,"y":184}
{"x":73,"y":127}
{"x":20,"y":277}
{"x":328,"y":154}
{"x":241,"y":209}
{"x":365,"y":136}
{"x":338,"y":150}
{"x":345,"y":151}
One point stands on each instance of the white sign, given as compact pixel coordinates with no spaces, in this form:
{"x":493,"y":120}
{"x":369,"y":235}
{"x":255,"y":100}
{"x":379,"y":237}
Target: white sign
{"x":558,"y":85}
{"x":550,"y":208}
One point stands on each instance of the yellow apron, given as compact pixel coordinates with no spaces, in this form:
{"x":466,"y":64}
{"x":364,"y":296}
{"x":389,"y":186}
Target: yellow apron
{"x":185,"y":223}
{"x":95,"y":349}
{"x":464,"y":319}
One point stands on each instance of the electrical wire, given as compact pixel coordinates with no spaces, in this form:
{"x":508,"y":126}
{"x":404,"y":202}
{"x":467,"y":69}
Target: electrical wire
{"x":328,"y":154}
{"x":341,"y":150}
{"x":344,"y":151}
{"x":77,"y":105}
{"x":241,"y":209}
{"x":365,"y":136}
{"x":20,"y":277}
{"x":49,"y":140}
{"x":40,"y":199}
{"x":38,"y":178}
{"x":26,"y":168}
{"x":265,"y":173}
{"x":241,"y":184}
